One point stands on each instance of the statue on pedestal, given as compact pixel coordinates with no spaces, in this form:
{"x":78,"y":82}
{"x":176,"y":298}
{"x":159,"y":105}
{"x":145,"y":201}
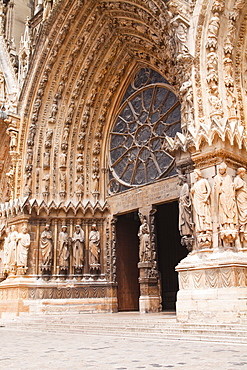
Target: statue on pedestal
{"x":227,"y":211}
{"x":94,"y":247}
{"x":78,"y":248}
{"x":185,"y":222}
{"x":12,"y":246}
{"x":6,"y":251}
{"x":63,"y":249}
{"x":241,"y":199}
{"x":144,"y":237}
{"x":46,"y":245}
{"x":22,"y":249}
{"x":201,"y":203}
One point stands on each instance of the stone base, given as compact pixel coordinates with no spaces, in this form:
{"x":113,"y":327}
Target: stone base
{"x":28,"y":295}
{"x":212,"y":288}
{"x":149,"y":304}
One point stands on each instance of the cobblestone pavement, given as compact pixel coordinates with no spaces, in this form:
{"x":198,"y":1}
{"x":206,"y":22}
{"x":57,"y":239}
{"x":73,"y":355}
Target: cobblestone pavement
{"x":29,"y":349}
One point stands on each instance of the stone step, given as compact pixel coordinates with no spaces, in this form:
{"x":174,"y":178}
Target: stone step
{"x":137,"y":323}
{"x":130,"y":327}
{"x":151,"y":334}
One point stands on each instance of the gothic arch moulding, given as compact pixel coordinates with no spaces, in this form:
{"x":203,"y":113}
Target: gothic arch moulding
{"x":68,"y":100}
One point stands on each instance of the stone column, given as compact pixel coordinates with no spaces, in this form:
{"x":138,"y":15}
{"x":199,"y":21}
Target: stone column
{"x":150,"y":295}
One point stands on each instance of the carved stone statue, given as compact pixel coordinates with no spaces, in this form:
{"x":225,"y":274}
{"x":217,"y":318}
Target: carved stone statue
{"x":94,"y":242}
{"x":241,"y":198}
{"x":181,"y":31}
{"x":185,"y":213}
{"x":227,"y":210}
{"x":46,"y":163}
{"x":46,"y":245}
{"x":48,"y":139}
{"x":13,"y":140}
{"x":187,"y":108}
{"x":201,"y":202}
{"x":47,"y":8}
{"x":12,"y":255}
{"x":80,"y":184}
{"x":226,"y":198}
{"x":62,"y":181}
{"x":213,"y":30}
{"x":78,"y":247}
{"x":63,"y":159}
{"x":23,"y":247}
{"x":144,"y":237}
{"x":46,"y":181}
{"x":63,"y":249}
{"x":6,"y":250}
{"x":2,"y":87}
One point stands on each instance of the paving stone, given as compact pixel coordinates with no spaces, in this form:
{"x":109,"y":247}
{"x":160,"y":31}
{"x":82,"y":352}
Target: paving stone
{"x":30,"y":350}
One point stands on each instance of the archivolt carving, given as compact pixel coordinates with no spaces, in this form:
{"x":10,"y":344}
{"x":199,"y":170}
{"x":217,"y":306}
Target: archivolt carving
{"x":75,"y":74}
{"x":226,"y":105}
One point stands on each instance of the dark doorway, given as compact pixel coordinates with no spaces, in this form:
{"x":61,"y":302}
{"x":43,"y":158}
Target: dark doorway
{"x":170,"y":251}
{"x":127,"y":253}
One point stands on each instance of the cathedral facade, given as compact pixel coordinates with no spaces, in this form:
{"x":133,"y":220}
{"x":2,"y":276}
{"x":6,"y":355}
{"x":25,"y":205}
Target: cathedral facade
{"x":122,"y":165}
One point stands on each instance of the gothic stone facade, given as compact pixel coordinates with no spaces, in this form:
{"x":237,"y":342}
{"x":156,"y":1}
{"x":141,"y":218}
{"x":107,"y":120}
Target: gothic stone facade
{"x":106,"y":107}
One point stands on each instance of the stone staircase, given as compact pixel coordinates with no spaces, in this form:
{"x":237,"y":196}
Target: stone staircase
{"x":135,"y":325}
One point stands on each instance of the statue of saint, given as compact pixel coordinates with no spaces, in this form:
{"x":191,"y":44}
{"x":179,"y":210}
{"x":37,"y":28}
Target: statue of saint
{"x":13,"y":237}
{"x":78,"y":246}
{"x":63,"y":248}
{"x":23,"y":247}
{"x":225,"y":193}
{"x":241,"y":198}
{"x":6,"y":250}
{"x":185,"y":211}
{"x":94,"y":242}
{"x":144,"y":237}
{"x":201,"y":202}
{"x":46,"y":246}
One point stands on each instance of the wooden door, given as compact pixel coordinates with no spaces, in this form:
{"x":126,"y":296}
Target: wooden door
{"x":127,"y":246}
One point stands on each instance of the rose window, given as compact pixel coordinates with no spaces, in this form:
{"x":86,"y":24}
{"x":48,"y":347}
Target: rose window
{"x":149,"y":112}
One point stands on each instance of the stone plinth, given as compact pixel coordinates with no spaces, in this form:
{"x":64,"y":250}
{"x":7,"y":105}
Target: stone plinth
{"x":28,"y":295}
{"x":150,"y":300}
{"x":212,"y":287}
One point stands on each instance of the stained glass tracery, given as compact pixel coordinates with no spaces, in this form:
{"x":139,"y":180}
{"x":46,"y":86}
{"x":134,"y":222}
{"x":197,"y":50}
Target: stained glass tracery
{"x":149,"y":111}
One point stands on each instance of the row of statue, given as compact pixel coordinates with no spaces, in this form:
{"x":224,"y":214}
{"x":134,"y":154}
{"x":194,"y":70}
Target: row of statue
{"x":16,"y":246}
{"x":195,"y":217}
{"x":65,"y":244}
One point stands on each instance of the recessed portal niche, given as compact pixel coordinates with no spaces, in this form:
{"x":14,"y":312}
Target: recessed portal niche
{"x":170,"y":251}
